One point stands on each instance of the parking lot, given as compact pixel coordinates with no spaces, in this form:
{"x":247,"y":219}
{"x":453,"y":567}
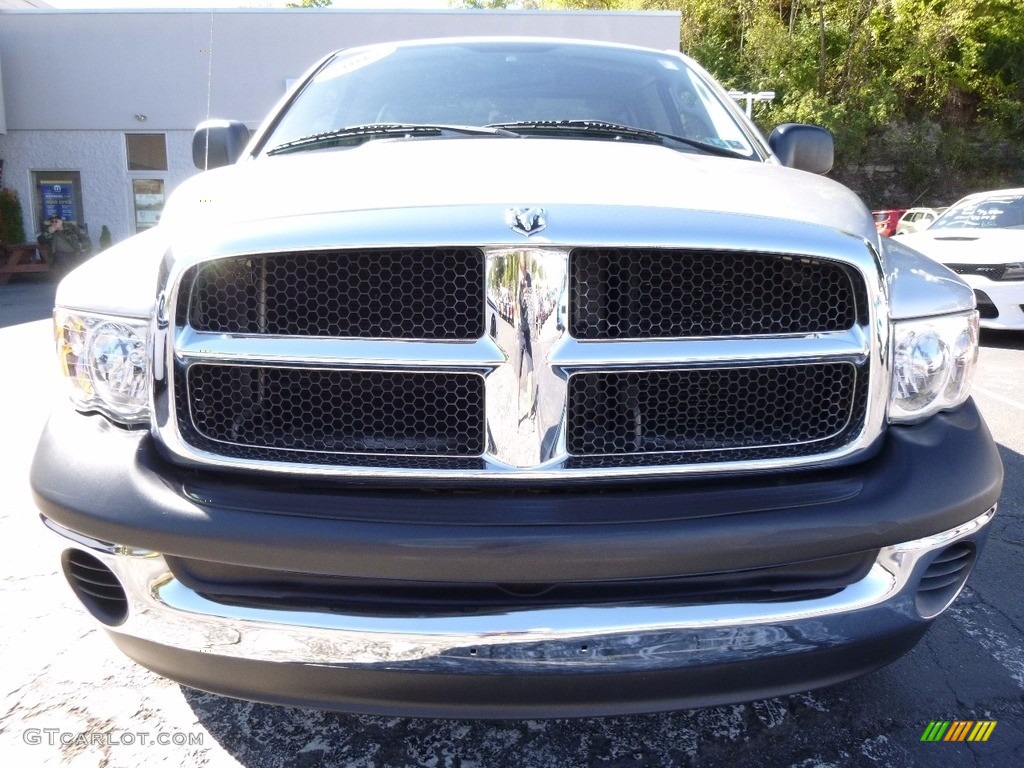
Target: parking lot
{"x":70,"y":698}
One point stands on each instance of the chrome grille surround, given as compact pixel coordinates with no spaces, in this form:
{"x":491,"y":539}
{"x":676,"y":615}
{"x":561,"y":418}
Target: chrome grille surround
{"x":528,"y":437}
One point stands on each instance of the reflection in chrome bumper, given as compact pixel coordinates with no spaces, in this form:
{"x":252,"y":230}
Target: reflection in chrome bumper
{"x":575,"y":640}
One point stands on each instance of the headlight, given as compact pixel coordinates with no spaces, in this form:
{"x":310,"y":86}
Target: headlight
{"x":933,"y":364}
{"x":104,"y":361}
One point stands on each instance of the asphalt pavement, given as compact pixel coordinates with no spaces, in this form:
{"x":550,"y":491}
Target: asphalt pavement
{"x":71,"y":699}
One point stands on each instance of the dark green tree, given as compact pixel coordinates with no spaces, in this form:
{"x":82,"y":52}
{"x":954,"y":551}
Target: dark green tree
{"x":12,"y":223}
{"x":106,"y":239}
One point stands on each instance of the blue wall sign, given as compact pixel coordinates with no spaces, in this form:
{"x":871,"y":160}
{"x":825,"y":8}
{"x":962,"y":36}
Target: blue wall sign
{"x":58,"y":200}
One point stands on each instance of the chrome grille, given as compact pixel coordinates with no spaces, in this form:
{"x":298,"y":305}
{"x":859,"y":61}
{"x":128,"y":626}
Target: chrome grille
{"x":714,"y":413}
{"x":532,"y":360}
{"x":628,"y":293}
{"x":418,"y":293}
{"x":264,"y":411}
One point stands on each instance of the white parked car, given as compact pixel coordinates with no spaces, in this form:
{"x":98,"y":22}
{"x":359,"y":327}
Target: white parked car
{"x":981,"y":238}
{"x":916,"y":219}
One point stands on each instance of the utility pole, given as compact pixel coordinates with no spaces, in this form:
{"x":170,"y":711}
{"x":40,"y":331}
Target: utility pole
{"x":750,"y":97}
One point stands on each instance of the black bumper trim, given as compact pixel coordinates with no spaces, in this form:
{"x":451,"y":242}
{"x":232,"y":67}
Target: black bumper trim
{"x":113,"y":485}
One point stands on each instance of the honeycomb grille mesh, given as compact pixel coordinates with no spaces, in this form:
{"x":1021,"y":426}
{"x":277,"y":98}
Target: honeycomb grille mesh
{"x":248,"y":411}
{"x":424,"y":293}
{"x":623,"y":293}
{"x":714,"y":413}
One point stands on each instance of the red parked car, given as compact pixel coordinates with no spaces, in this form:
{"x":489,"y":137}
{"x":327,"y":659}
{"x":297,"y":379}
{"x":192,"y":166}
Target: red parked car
{"x":886,"y":221}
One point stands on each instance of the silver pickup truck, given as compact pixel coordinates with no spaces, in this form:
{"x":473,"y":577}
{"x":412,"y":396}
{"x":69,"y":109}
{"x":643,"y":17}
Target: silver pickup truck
{"x":505,"y":378}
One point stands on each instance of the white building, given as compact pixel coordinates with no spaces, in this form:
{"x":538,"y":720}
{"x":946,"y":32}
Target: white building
{"x":97,"y":108}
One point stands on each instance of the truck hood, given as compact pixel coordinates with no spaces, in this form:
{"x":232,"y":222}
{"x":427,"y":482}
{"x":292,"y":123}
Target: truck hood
{"x":458,"y":191}
{"x":403,"y":174}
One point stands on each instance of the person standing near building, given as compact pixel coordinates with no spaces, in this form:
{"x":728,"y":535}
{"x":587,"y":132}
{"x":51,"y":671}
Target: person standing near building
{"x":69,"y":246}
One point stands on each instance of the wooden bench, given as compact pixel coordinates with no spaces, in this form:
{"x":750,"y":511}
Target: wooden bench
{"x":23,"y":257}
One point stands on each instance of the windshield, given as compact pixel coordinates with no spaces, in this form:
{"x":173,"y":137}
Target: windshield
{"x":1000,"y":210}
{"x":510,"y":82}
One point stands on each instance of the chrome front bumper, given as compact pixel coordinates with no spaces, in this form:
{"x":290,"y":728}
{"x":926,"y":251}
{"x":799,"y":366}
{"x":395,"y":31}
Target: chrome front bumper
{"x":627,"y":638}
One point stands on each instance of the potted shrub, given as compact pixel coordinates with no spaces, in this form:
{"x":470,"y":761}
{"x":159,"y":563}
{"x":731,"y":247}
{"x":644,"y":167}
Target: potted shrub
{"x":12,"y":225}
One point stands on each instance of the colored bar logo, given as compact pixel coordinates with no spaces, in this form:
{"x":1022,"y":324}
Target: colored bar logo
{"x":958,"y":730}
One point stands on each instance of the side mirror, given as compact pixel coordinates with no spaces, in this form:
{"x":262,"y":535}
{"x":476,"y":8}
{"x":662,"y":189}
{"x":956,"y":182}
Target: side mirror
{"x":218,"y":142}
{"x":804,"y":147}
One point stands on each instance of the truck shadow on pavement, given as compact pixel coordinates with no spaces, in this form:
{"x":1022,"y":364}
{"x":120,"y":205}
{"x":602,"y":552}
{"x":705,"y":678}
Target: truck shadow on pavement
{"x":849,"y":724}
{"x":1002,"y":339}
{"x":260,"y":734}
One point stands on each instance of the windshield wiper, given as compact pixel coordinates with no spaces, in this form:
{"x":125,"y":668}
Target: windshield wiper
{"x":357,"y":134}
{"x":605,"y":130}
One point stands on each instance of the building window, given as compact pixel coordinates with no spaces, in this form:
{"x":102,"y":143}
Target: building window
{"x":147,"y":169}
{"x":148,"y":195}
{"x":58,"y":193}
{"x":146,"y":151}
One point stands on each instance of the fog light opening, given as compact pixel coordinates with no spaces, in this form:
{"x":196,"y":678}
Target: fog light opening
{"x":943,"y":579}
{"x":96,"y":586}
